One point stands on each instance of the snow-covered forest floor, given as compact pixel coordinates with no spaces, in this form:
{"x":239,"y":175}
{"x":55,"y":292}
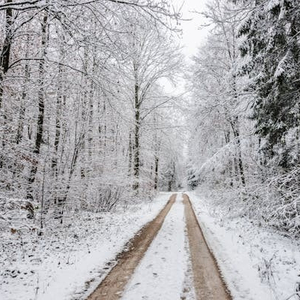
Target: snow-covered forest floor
{"x":68,"y":262}
{"x":256,"y":262}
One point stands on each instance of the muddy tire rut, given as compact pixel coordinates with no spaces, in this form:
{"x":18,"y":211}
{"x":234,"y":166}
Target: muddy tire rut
{"x":111,"y":288}
{"x":208,"y":283}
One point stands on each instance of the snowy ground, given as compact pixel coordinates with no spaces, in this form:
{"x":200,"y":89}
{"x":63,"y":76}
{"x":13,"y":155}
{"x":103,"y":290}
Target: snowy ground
{"x":69,"y":264}
{"x":257,"y":263}
{"x":163,"y":273}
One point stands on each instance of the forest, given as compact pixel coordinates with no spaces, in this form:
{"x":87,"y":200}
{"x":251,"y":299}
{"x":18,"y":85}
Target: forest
{"x":244,"y":138}
{"x":85,"y":122}
{"x":100,"y":111}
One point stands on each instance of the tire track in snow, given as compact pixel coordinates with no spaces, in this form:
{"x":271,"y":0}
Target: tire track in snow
{"x":207,"y":280}
{"x":156,"y":266}
{"x":161,"y":274}
{"x":111,"y":288}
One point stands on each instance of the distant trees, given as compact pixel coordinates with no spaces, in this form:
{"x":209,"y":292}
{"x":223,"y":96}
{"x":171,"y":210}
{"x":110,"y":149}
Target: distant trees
{"x":218,"y":98}
{"x":152,"y":56}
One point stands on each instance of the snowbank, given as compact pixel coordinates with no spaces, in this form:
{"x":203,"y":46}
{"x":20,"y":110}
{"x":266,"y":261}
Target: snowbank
{"x":68,"y":262}
{"x":257,"y":263}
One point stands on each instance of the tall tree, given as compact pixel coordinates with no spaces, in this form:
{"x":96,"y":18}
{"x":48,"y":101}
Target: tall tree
{"x":152,"y":57}
{"x":270,"y":43}
{"x":218,"y":91}
{"x":6,"y":48}
{"x":41,"y":102}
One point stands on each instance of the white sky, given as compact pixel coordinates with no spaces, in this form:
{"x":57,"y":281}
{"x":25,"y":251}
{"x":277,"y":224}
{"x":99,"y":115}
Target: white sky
{"x":193,"y":37}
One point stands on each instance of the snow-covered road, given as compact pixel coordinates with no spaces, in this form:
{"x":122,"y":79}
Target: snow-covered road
{"x":156,"y":264}
{"x":256,"y":264}
{"x":161,"y":273}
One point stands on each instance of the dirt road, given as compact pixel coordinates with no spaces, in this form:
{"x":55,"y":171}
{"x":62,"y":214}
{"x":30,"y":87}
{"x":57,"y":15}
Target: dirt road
{"x":207,"y":281}
{"x":112,"y":286}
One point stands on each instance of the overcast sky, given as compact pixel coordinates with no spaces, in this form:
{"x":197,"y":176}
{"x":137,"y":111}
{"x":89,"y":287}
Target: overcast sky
{"x":192,"y":36}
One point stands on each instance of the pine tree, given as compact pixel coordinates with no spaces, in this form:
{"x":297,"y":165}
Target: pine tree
{"x":270,"y":36}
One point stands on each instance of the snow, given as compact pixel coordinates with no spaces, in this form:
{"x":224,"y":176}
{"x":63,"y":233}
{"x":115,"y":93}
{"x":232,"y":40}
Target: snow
{"x":271,"y":4}
{"x":71,"y":263}
{"x":162,"y":272}
{"x":257,"y":263}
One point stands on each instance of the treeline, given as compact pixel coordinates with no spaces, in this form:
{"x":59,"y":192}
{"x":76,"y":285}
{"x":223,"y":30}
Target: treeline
{"x":245,"y":135}
{"x":82,"y":109}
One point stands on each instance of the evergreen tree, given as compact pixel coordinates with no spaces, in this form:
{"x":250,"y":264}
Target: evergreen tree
{"x":271,"y":46}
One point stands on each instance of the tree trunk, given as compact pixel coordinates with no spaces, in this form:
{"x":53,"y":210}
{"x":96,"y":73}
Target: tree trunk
{"x":41,"y":105}
{"x":4,"y":65}
{"x":19,"y":135}
{"x":5,"y":54}
{"x":137,"y":125}
{"x":20,"y":128}
{"x":58,"y":115}
{"x":236,"y":134}
{"x":58,"y":125}
{"x":129,"y":155}
{"x":156,"y":172}
{"x":170,"y":183}
{"x":230,"y":163}
{"x":62,"y":199}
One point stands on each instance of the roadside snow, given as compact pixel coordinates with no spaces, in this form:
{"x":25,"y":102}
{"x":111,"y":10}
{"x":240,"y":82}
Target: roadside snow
{"x":257,"y":263}
{"x":162,"y":272}
{"x":69,"y":264}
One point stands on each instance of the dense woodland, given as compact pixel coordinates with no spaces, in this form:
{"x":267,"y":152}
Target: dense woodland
{"x":86,"y":122}
{"x":244,"y":143}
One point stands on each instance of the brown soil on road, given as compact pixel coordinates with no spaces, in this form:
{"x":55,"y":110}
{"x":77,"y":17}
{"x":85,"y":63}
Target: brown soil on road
{"x":208,"y":283}
{"x":207,"y":280}
{"x":112,"y":287}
